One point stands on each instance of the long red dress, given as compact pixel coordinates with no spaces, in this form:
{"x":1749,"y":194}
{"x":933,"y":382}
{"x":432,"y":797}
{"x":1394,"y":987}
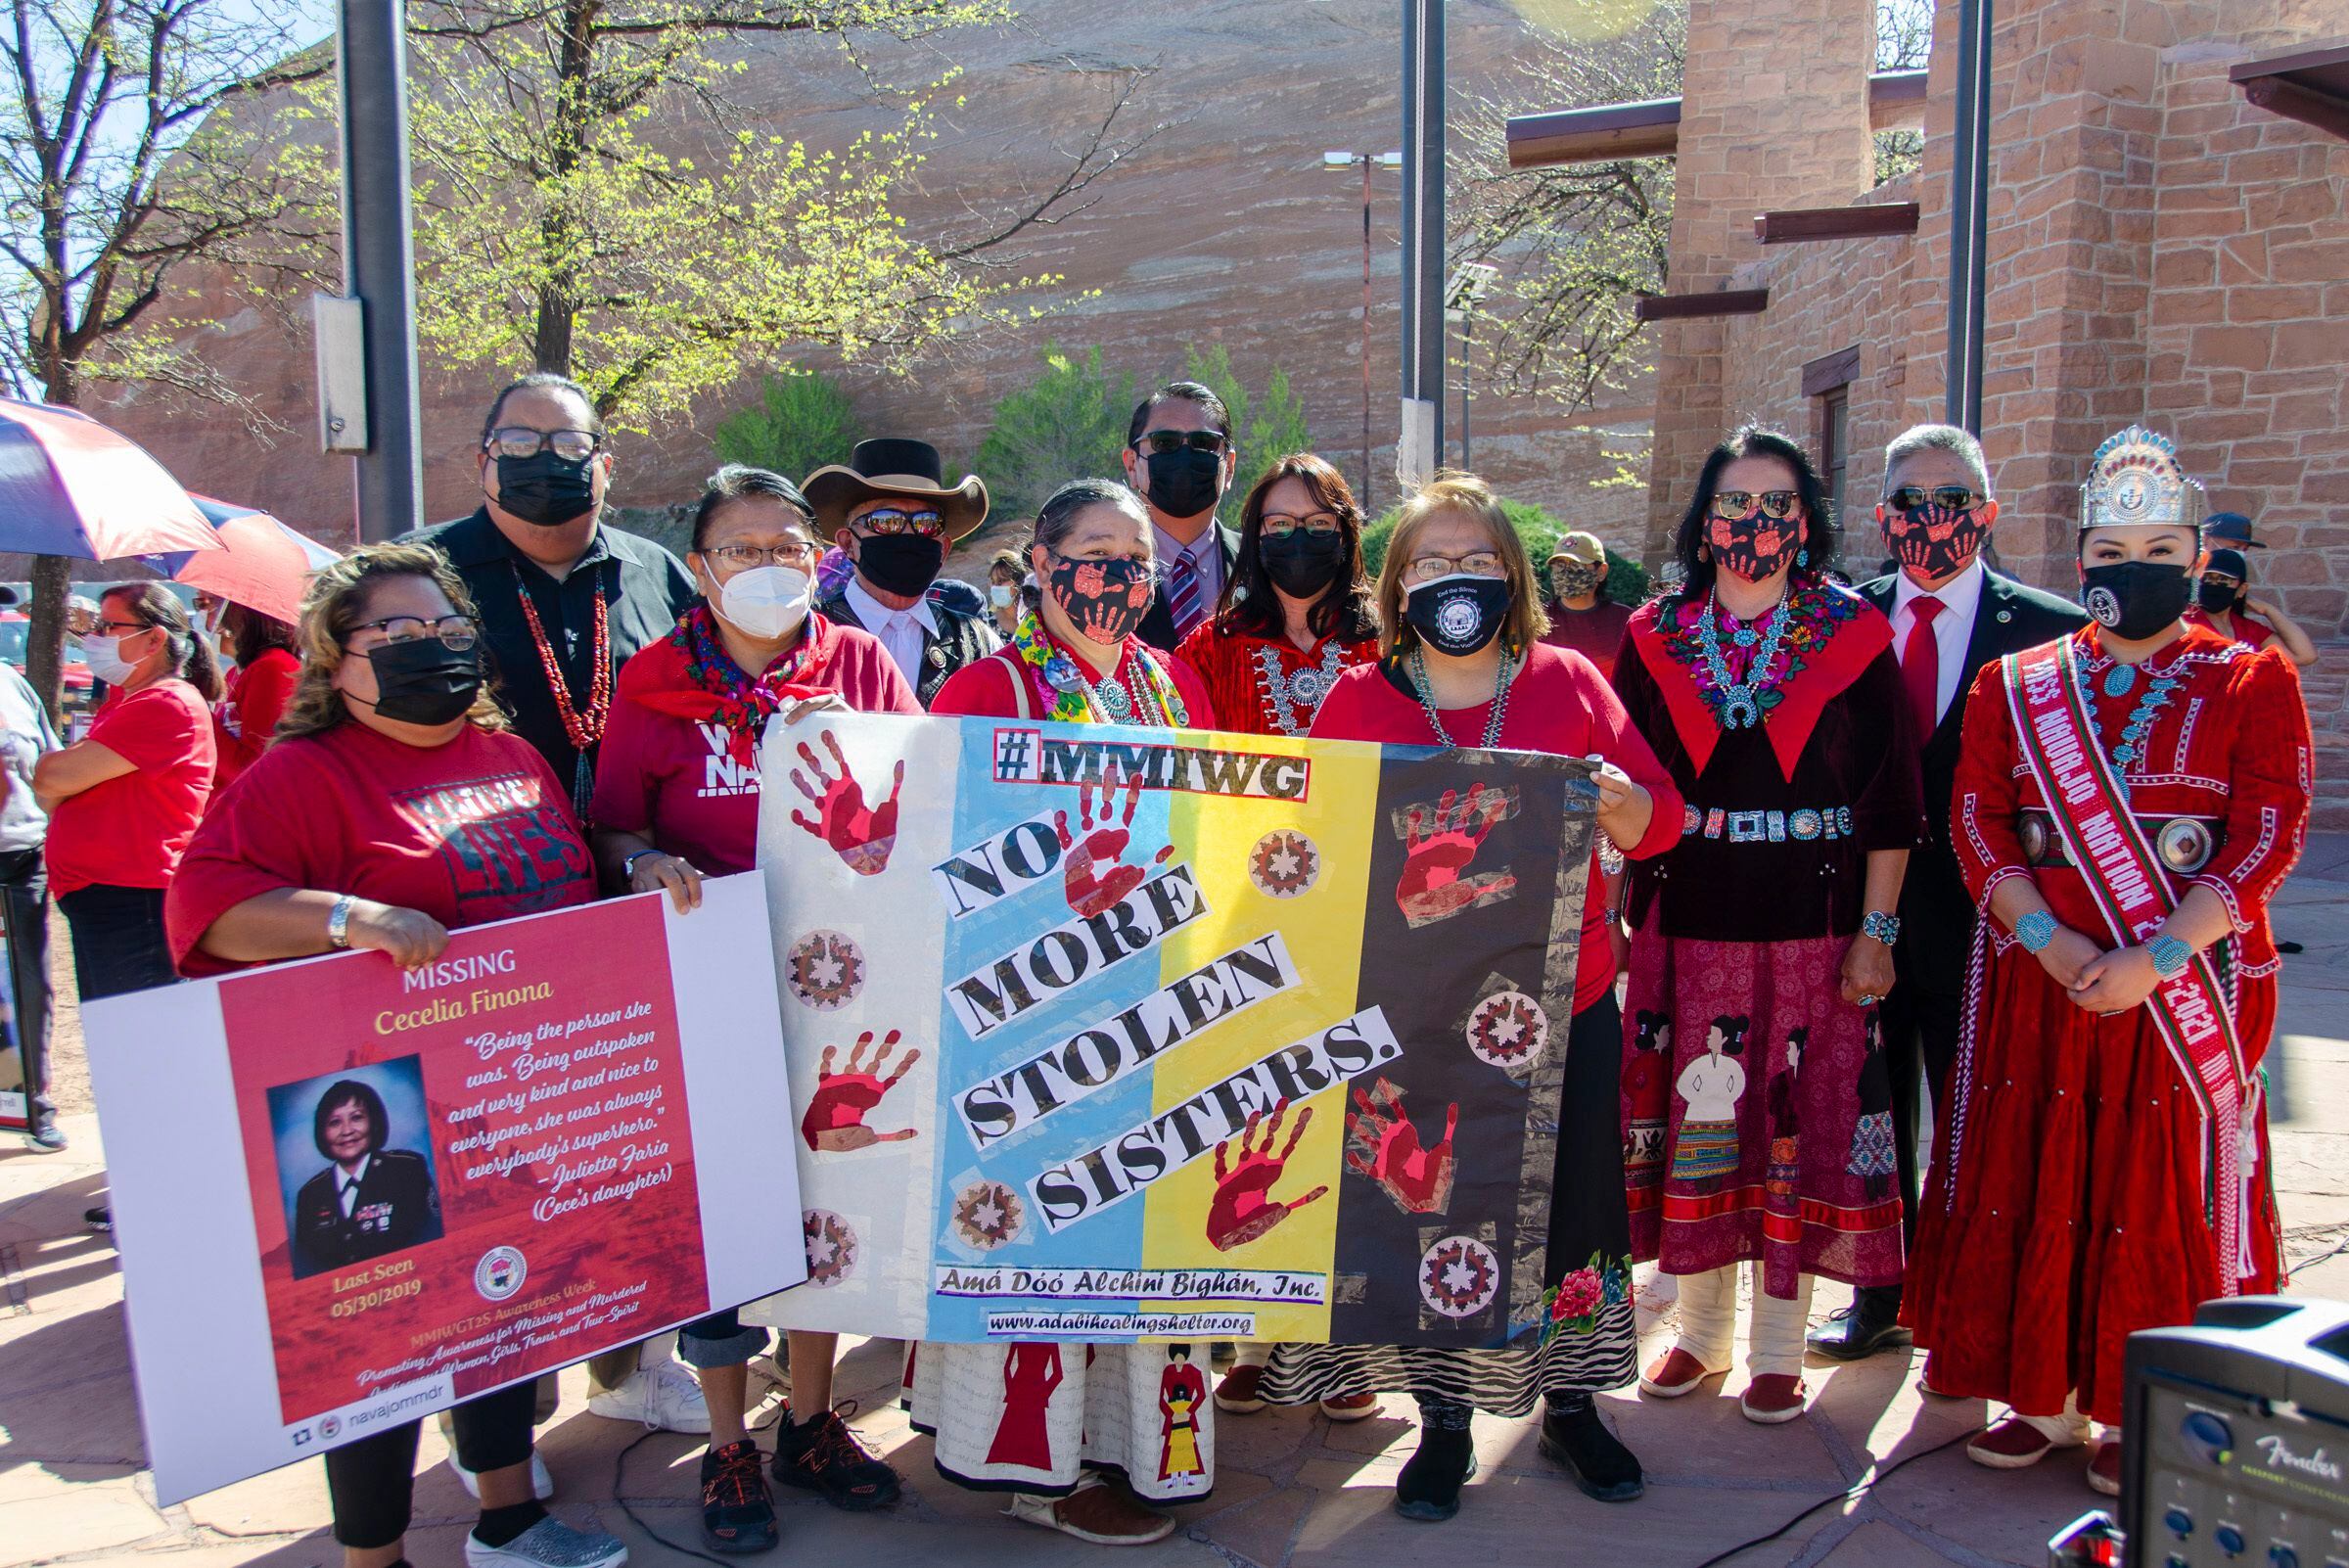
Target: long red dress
{"x":1265,"y":685}
{"x":2070,"y":1210}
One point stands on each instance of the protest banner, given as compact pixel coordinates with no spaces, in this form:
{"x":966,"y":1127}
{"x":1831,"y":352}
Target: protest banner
{"x":1119,"y":1035}
{"x":563,"y":1136}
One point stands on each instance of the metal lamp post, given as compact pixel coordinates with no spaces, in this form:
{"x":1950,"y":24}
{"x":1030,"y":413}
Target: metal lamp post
{"x":1462,"y":291}
{"x":1342,"y":159}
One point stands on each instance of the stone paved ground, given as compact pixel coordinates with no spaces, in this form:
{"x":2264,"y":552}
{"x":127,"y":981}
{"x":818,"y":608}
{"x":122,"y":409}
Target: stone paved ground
{"x":1293,"y":1489}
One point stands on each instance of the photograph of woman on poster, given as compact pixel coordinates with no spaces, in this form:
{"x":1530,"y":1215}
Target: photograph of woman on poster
{"x":370,"y":1200}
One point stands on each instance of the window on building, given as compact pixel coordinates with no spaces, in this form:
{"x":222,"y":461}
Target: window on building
{"x":1827,"y":383}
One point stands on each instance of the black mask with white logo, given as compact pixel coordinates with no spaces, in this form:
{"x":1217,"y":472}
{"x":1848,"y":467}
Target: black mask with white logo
{"x":1459,"y":613}
{"x":2135,"y":599}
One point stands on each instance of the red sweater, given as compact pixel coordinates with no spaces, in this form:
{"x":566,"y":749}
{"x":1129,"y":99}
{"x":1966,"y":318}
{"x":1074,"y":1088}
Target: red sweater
{"x":1560,"y":705}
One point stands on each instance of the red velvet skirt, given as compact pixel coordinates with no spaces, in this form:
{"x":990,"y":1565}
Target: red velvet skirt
{"x":2071,"y":1210}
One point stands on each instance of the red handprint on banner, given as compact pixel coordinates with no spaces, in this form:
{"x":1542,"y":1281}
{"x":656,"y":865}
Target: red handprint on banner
{"x":834,"y":1119}
{"x":1244,"y":1208}
{"x":1382,"y":1145}
{"x":860,"y":836}
{"x":1094,"y":875}
{"x":1437,"y":849}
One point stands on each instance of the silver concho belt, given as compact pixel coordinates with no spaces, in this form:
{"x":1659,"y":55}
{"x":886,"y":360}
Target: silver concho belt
{"x":2184,"y":844}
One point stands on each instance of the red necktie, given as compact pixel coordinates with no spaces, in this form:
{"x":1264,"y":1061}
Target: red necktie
{"x":1920,"y":664}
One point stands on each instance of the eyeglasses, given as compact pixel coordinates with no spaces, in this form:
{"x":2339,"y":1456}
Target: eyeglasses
{"x":1475,"y":564}
{"x":1915,"y":498}
{"x":2222,"y":579}
{"x":1279,"y":525}
{"x":928,"y":522}
{"x":743,"y":556}
{"x":128,"y":629}
{"x":457,"y":632}
{"x":1735,"y":506}
{"x":520,"y":440}
{"x":1159,"y":442}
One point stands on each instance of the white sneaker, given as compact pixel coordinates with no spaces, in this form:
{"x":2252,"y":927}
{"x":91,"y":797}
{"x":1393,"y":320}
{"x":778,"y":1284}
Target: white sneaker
{"x":548,"y":1544}
{"x":663,"y":1396}
{"x":542,"y":1485}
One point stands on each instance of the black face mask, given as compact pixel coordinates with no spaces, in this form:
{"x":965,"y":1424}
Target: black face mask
{"x":902,"y":564}
{"x":423,"y":680}
{"x":2218,"y":598}
{"x":2135,"y":599}
{"x":1184,"y":483}
{"x":1459,"y":613}
{"x":543,"y":489}
{"x":1304,"y":565}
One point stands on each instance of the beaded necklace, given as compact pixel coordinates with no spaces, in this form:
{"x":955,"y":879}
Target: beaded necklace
{"x":583,"y":729}
{"x":1740,"y":702}
{"x":1502,"y":680}
{"x":1078,"y":700}
{"x":2140,"y":722}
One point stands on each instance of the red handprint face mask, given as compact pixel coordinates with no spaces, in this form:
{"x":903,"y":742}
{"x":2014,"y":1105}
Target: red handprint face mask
{"x":1934,"y":539}
{"x":1757,"y":547}
{"x":1106,"y":600}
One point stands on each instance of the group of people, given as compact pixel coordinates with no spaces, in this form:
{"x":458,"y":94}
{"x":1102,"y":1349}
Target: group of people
{"x":1847,"y":875}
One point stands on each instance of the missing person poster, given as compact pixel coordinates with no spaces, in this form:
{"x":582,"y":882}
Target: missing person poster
{"x":353,"y":1195}
{"x":1111,"y":1033}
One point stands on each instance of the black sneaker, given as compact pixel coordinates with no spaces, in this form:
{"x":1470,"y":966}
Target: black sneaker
{"x":1592,"y":1456}
{"x":737,"y":1514}
{"x":1429,"y":1487}
{"x":101,"y":1219}
{"x":823,"y":1456}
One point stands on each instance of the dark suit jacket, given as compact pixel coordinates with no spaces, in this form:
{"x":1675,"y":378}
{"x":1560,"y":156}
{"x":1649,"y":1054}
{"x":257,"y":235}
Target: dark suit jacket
{"x":1158,"y":626}
{"x":397,"y":1208}
{"x":1937,"y":914}
{"x":960,"y":640}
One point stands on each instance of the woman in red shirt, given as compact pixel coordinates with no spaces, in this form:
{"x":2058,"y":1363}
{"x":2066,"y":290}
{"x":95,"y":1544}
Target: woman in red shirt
{"x":393,"y":807}
{"x":676,"y":798}
{"x":1296,"y":607}
{"x":257,"y":689}
{"x":1465,"y":665}
{"x":1076,"y":659}
{"x":124,"y":800}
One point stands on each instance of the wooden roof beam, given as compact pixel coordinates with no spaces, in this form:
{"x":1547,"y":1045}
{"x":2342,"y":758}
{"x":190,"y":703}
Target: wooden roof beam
{"x":1864,"y":220}
{"x":1690,"y":306}
{"x":1653,"y":128}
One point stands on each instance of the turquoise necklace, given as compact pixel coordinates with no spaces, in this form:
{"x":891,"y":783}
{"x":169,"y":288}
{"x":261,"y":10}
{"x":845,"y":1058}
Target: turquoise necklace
{"x":2118,"y":682}
{"x":1739,"y":703}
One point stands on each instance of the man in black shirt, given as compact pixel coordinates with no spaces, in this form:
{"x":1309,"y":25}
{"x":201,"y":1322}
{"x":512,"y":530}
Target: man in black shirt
{"x":558,"y":589}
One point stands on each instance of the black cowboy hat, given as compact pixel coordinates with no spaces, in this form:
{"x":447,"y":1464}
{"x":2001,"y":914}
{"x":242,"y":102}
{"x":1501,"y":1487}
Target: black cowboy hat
{"x":893,"y":466}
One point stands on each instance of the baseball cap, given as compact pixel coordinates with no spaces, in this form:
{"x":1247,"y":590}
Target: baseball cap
{"x":1583,"y":549}
{"x":2232,"y":527}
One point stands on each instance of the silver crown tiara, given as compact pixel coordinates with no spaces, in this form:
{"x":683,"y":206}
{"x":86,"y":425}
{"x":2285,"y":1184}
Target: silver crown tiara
{"x":2137,"y":480}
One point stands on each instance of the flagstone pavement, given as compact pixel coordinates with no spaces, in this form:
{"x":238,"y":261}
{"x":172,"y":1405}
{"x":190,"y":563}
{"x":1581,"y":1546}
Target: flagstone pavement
{"x":1293,"y":1490}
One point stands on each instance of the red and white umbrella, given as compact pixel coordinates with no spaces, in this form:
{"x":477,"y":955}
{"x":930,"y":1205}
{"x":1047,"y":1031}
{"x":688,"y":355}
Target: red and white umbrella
{"x":259,"y":563}
{"x":69,"y":486}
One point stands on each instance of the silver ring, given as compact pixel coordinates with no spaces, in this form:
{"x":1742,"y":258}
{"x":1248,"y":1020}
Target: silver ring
{"x":1868,"y":999}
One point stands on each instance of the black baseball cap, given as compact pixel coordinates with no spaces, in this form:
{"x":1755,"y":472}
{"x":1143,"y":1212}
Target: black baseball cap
{"x":2232,"y":527}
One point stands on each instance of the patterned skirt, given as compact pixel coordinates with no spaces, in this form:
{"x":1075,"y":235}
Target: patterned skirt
{"x":1587,"y":1342}
{"x":1034,"y":1416}
{"x":1778,"y":1130}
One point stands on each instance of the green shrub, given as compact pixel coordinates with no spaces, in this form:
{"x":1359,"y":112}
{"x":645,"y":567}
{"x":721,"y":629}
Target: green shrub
{"x":803,"y":420}
{"x":1626,"y":578}
{"x":1266,"y":429}
{"x":1068,"y":423}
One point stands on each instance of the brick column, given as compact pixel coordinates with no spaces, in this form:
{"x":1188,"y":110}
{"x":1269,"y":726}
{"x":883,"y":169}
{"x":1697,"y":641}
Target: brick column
{"x":1774,"y":114}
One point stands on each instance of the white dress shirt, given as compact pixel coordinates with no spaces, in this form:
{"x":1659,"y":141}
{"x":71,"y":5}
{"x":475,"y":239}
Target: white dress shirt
{"x":346,"y":1184}
{"x":1952,"y":628}
{"x":900,"y":630}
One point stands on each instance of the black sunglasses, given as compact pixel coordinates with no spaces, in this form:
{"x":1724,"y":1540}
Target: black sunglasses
{"x":1159,"y":442}
{"x":1915,"y":498}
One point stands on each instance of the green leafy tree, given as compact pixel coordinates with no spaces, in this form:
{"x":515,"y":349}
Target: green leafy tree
{"x":1266,"y":429}
{"x":803,"y":420}
{"x":591,"y":199}
{"x":1068,"y":423}
{"x":123,"y":169}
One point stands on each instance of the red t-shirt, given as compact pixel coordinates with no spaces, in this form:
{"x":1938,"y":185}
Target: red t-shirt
{"x":130,"y":831}
{"x":988,"y":688}
{"x":676,"y":780}
{"x":475,"y":830}
{"x":1596,"y":633}
{"x":247,"y":718}
{"x":2249,"y":631}
{"x":1557,"y":704}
